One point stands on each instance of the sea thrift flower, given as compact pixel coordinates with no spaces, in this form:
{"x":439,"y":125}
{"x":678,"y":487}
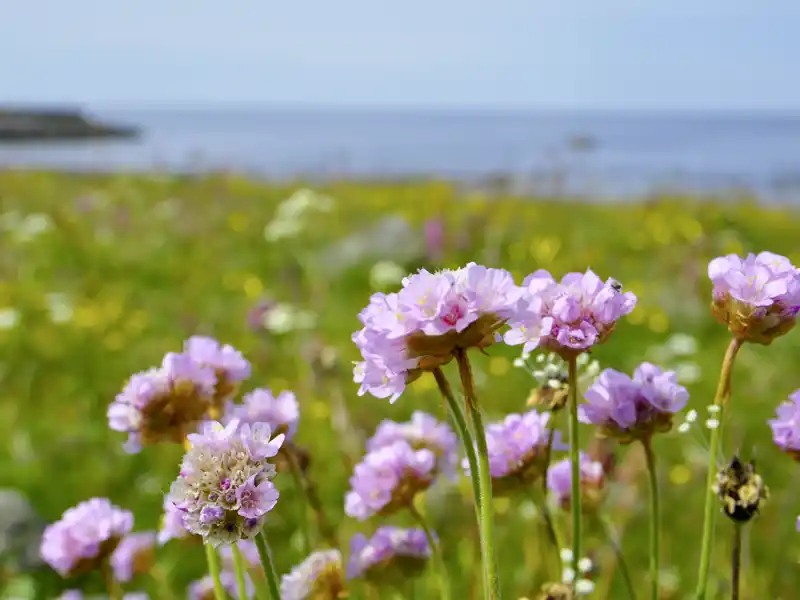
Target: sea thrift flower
{"x":421,"y":326}
{"x":423,"y":431}
{"x":570,"y":316}
{"x":517,"y":448}
{"x":318,"y":577}
{"x":203,"y":589}
{"x":757,"y":297}
{"x":388,"y":479}
{"x":281,"y":412}
{"x":172,"y":526}
{"x":133,"y":556}
{"x":224,"y":488}
{"x":163,"y":404}
{"x":559,"y":482}
{"x":391,"y":555}
{"x":741,"y":490}
{"x":85,"y":536}
{"x":229,"y":365}
{"x":786,"y":428}
{"x":634,"y":409}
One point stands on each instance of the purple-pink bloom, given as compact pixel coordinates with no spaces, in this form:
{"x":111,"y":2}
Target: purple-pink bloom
{"x":229,"y":365}
{"x":319,"y":577}
{"x":757,"y":297}
{"x":281,"y":412}
{"x":85,"y":535}
{"x":203,"y":589}
{"x":163,"y":404}
{"x":224,"y":489}
{"x":172,"y":526}
{"x":517,"y":448}
{"x":133,"y":556}
{"x":421,"y":326}
{"x":630,"y":409}
{"x":390,"y":554}
{"x":387,"y":479}
{"x":559,"y":482}
{"x":786,"y":427}
{"x":422,"y":431}
{"x":254,"y":499}
{"x":570,"y":316}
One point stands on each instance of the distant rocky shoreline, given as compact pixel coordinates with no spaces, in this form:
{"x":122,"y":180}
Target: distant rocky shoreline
{"x":32,"y":124}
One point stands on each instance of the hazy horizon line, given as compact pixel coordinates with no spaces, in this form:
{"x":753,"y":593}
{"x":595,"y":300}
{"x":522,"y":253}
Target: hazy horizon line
{"x":409,"y":107}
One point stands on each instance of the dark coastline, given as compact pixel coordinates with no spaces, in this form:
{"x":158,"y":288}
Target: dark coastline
{"x":20,"y":124}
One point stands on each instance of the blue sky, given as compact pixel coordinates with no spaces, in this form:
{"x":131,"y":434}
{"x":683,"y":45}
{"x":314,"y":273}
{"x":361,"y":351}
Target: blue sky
{"x":593,"y":54}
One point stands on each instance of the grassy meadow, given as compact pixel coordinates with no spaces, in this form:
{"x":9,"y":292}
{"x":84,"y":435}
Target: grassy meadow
{"x":100,"y":276}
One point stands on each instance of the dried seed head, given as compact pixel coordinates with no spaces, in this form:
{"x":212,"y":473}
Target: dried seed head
{"x":741,"y":490}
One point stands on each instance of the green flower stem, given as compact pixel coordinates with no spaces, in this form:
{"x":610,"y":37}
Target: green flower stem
{"x":736,"y":560}
{"x":312,"y":497}
{"x":608,"y":531}
{"x":541,"y":500}
{"x":239,"y":570}
{"x":463,"y":431}
{"x":265,"y":555}
{"x":436,"y":552}
{"x":720,"y":400}
{"x":655,"y":519}
{"x":574,"y":457}
{"x":491,"y":576}
{"x":214,"y":570}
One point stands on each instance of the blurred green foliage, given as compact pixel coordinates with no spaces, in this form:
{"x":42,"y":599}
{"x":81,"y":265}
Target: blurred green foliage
{"x":108,"y":273}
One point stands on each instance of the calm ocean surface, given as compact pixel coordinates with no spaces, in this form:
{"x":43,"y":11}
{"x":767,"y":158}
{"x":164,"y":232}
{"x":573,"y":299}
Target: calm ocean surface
{"x":580,"y":153}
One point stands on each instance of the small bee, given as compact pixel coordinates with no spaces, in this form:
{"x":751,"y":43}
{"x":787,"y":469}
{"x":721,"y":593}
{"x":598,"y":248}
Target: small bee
{"x":615,"y":285}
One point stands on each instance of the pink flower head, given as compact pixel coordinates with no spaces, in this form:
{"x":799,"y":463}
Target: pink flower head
{"x":420,"y":327}
{"x":630,"y":409}
{"x":180,"y":388}
{"x":388,"y":479}
{"x":757,"y":297}
{"x":86,"y":535}
{"x":559,"y":482}
{"x":786,"y":427}
{"x":569,"y":316}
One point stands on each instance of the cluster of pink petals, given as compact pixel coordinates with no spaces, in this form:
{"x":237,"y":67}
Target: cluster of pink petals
{"x":570,"y":315}
{"x":429,"y":305}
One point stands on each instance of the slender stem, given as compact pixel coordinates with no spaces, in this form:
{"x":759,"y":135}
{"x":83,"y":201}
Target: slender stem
{"x":112,"y":587}
{"x":463,"y":431}
{"x":548,"y":518}
{"x":736,"y":560}
{"x":214,"y":570}
{"x":574,"y":457}
{"x":720,"y":400}
{"x":265,"y":554}
{"x":608,"y":530}
{"x":239,"y":570}
{"x":436,"y":552}
{"x":297,"y":476}
{"x":491,"y":577}
{"x":313,"y":499}
{"x":655,"y":519}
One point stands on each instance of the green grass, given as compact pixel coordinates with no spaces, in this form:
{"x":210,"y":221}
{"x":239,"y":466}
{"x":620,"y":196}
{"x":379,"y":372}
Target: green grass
{"x":149,"y":260}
